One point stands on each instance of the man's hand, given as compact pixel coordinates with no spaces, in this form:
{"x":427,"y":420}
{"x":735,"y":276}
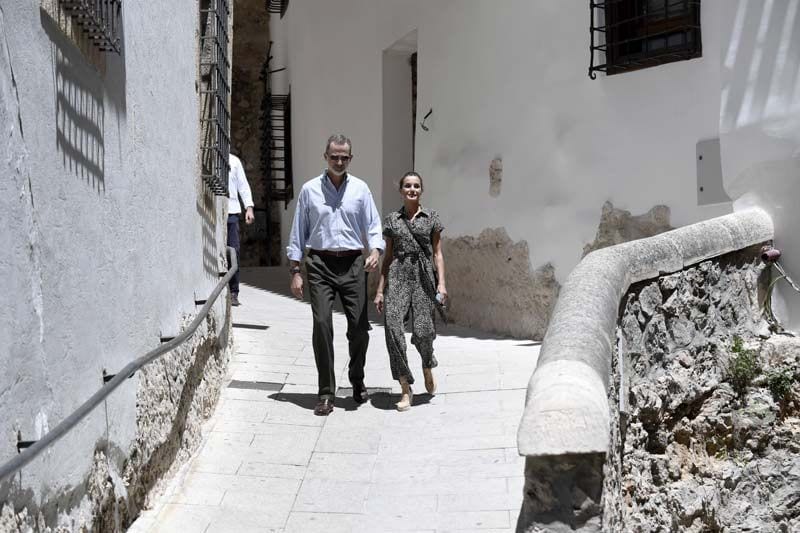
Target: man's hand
{"x":379,"y":302}
{"x":371,"y":262}
{"x":297,"y":285}
{"x":248,"y":216}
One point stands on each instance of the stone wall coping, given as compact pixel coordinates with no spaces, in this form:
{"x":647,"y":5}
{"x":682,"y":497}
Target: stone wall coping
{"x":566,"y":406}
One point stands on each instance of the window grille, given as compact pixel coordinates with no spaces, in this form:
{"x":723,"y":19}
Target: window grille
{"x":277,"y":6}
{"x":276,"y":138}
{"x":637,"y":34}
{"x":215,"y":66}
{"x":99,"y":20}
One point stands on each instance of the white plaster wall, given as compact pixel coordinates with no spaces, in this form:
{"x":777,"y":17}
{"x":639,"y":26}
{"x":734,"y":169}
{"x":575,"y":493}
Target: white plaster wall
{"x":509,"y":78}
{"x":102,"y":256}
{"x":335,"y":53}
{"x":760,"y":122}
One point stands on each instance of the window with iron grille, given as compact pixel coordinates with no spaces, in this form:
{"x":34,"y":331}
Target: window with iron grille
{"x":215,"y":114}
{"x":277,"y":6}
{"x":635,"y":34}
{"x":99,"y":21}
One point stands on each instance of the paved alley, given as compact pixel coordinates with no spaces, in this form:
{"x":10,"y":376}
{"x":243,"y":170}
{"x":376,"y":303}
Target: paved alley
{"x":268,"y":464}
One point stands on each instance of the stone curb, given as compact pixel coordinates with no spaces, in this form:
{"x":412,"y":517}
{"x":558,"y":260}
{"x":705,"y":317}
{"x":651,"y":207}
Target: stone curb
{"x":566,"y":407}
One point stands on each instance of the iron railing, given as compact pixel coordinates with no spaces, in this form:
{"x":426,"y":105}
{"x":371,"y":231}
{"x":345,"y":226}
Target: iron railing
{"x":28,"y":450}
{"x":634,"y":34}
{"x":216,"y":126}
{"x":100,"y":20}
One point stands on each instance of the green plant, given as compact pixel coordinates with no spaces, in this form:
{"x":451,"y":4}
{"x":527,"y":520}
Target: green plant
{"x":743,"y":367}
{"x":780,"y":384}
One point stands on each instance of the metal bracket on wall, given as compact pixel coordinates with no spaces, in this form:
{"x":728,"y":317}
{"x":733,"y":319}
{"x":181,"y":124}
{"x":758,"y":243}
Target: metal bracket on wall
{"x":710,"y":185}
{"x":33,"y":448}
{"x":422,"y":124}
{"x":22,"y":444}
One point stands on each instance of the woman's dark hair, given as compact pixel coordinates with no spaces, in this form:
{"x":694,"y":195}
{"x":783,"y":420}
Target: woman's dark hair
{"x":411,"y":174}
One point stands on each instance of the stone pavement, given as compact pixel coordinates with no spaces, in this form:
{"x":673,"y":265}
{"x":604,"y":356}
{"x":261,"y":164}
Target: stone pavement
{"x":268,"y":464}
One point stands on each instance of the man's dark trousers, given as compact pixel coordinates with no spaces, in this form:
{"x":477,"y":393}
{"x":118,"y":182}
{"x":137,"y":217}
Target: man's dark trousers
{"x":327,"y":277}
{"x":233,"y":240}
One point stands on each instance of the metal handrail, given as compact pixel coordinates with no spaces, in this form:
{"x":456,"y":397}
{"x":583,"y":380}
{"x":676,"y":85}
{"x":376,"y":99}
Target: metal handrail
{"x":13,"y":466}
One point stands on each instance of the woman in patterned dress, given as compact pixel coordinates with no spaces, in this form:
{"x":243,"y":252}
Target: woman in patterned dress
{"x":407,"y":284}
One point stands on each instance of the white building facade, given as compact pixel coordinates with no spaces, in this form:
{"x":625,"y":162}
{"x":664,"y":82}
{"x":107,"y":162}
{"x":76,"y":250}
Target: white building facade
{"x":507,"y":80}
{"x":110,"y":236}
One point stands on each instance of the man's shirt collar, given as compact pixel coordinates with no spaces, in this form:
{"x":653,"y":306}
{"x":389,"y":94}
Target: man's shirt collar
{"x":327,"y":178}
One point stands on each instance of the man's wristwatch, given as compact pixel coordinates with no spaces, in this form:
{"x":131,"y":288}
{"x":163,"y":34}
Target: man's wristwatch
{"x":294,"y":270}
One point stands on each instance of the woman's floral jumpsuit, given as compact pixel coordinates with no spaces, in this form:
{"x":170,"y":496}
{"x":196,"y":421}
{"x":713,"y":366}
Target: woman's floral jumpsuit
{"x":405,"y":290}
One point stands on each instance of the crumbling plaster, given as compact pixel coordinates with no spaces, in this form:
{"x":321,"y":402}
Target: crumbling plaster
{"x":494,"y":288}
{"x":107,"y":245}
{"x":565,"y":139}
{"x":618,"y":225}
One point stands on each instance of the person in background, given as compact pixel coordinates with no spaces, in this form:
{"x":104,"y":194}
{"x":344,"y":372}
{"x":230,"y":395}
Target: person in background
{"x":237,"y":187}
{"x":334,"y":221}
{"x":412,"y":282}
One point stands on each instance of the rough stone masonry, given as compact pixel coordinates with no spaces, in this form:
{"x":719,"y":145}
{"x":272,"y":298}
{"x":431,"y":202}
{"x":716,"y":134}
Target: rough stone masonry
{"x":176,"y":394}
{"x":695,"y":448}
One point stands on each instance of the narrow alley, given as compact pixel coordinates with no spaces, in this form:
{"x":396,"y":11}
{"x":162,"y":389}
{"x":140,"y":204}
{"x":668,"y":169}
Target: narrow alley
{"x":268,"y":464}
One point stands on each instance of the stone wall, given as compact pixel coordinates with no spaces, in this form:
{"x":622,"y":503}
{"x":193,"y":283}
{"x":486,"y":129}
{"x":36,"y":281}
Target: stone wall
{"x":250,"y":44}
{"x":493,"y":287}
{"x":618,"y":225}
{"x":691,"y":451}
{"x":175,"y":395}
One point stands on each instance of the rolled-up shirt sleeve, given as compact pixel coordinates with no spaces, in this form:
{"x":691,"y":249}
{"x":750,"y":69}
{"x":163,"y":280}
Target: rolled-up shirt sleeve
{"x":299,"y":233}
{"x":372,"y":221}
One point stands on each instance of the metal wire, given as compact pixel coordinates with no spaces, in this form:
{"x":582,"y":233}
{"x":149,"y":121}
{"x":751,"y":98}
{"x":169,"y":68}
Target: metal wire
{"x":769,"y":314}
{"x":11,"y":467}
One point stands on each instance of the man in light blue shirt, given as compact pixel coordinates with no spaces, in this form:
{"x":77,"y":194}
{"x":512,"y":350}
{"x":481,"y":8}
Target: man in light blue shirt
{"x":335,"y":220}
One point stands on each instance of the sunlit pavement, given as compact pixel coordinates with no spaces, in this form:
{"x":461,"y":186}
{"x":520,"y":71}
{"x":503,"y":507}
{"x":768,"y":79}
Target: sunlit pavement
{"x":268,"y":463}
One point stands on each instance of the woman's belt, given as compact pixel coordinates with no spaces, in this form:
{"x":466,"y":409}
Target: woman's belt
{"x":402,"y":255}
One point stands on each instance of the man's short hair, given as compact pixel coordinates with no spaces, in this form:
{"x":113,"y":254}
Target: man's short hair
{"x":338,"y":138}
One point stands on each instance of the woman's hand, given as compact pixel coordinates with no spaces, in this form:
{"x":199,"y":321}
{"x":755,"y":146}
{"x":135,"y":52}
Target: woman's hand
{"x":441,"y":289}
{"x":379,"y":302}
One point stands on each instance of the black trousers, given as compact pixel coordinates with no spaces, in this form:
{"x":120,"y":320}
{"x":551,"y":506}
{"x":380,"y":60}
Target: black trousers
{"x":233,"y":241}
{"x":327,"y":277}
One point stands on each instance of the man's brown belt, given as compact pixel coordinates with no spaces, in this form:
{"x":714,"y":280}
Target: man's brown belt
{"x":336,"y":253}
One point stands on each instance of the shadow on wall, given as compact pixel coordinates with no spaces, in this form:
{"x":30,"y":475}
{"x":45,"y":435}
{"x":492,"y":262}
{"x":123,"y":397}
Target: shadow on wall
{"x":760,"y":120}
{"x":82,"y":76}
{"x":761,"y":66}
{"x":206,"y":209}
{"x":80,"y":118}
{"x":760,"y":108}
